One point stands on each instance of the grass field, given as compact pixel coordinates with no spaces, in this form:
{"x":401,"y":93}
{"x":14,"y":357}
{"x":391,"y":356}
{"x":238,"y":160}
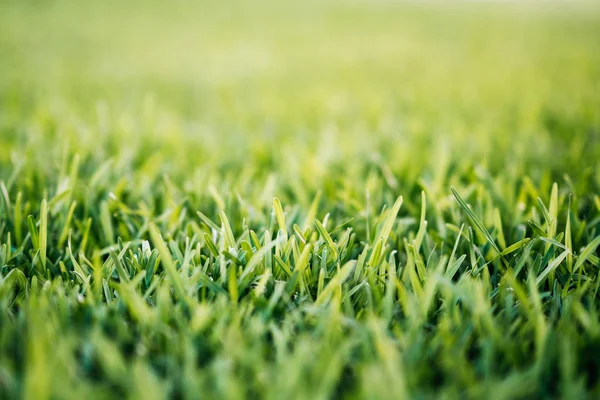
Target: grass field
{"x":344,"y":199}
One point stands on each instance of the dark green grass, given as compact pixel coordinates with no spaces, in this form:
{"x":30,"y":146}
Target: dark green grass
{"x":342,"y":200}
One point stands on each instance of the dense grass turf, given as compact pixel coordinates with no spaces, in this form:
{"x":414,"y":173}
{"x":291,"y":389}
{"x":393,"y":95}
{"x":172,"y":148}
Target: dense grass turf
{"x":358,"y":199}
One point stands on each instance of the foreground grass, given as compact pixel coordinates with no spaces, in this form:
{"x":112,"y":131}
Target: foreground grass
{"x":345,"y":200}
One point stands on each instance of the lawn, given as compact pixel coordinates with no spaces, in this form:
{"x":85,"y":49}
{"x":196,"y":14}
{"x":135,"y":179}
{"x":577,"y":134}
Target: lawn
{"x":299,"y":200}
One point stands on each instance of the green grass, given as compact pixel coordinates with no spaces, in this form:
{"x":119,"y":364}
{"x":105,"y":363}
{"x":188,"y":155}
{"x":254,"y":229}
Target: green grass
{"x":323,"y":200}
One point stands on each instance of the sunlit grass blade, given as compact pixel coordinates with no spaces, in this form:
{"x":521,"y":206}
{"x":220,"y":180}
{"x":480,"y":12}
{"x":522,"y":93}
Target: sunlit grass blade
{"x":325,"y":235}
{"x":586,"y":253}
{"x":168,"y":264}
{"x":476,"y":220}
{"x":43,"y":234}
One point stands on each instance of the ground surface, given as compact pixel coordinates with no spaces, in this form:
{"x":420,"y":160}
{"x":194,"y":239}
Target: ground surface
{"x":204,"y":201}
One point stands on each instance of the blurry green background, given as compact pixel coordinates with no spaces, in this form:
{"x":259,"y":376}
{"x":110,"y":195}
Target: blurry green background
{"x":260,"y":99}
{"x":496,"y":82}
